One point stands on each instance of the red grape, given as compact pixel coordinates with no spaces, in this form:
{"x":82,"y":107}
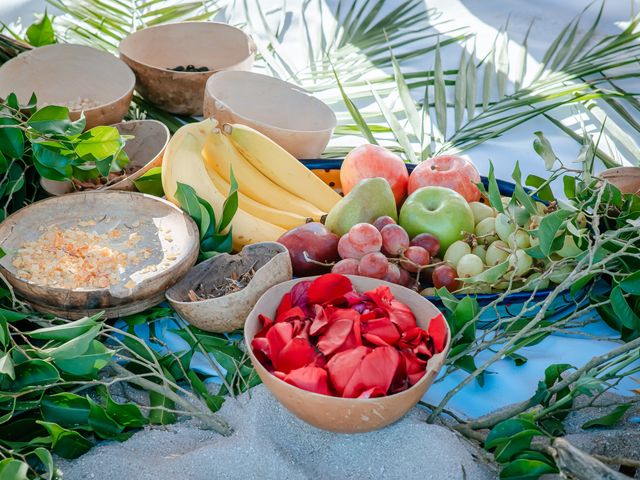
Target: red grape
{"x":415,"y":259}
{"x":346,"y":248}
{"x":445,"y":276}
{"x":393,"y":274}
{"x":382,"y":222}
{"x":365,"y":237}
{"x":395,"y":240}
{"x":374,"y":265}
{"x":348,"y":266}
{"x":427,"y":241}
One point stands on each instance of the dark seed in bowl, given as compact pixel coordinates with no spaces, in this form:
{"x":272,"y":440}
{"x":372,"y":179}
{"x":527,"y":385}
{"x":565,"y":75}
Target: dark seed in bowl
{"x":189,"y":68}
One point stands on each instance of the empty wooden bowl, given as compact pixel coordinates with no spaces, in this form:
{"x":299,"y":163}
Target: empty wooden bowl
{"x":78,"y":77}
{"x":167,"y":248}
{"x":627,"y":179}
{"x":269,"y":260}
{"x":346,"y":415}
{"x":289,"y":115}
{"x":154,"y":51}
{"x":145,"y":151}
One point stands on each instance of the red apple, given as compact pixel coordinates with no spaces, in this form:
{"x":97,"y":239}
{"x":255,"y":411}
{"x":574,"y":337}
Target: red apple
{"x":371,"y":161}
{"x":448,"y":171}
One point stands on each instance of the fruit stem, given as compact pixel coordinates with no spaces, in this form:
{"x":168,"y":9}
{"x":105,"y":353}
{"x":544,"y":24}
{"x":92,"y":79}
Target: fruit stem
{"x":307,"y":258}
{"x":226,"y":128}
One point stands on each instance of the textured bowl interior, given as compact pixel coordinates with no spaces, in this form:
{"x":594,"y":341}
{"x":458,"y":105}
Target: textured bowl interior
{"x":216,"y":46}
{"x":62,"y":74}
{"x":269,"y":101}
{"x":346,"y":415}
{"x":144,"y":214}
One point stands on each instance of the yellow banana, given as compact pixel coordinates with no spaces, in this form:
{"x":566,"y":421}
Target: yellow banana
{"x":280,"y":166}
{"x":183,"y":163}
{"x":281,"y":218}
{"x":221,"y":155}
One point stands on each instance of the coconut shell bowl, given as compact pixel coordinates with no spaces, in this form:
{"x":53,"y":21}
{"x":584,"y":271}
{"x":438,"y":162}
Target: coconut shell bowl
{"x":173,"y":62}
{"x":266,"y":264}
{"x":81,"y":78}
{"x":145,"y":151}
{"x":346,"y":415}
{"x":160,"y":242}
{"x":292,"y":117}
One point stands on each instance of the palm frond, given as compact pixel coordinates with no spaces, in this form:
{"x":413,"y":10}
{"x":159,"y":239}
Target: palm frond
{"x":103,"y":23}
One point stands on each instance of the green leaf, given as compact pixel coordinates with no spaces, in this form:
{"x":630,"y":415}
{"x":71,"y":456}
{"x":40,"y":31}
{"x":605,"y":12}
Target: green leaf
{"x":73,"y":348}
{"x":55,"y":120}
{"x":503,"y":431}
{"x":515,"y":444}
{"x":65,"y":331}
{"x":126,"y":414}
{"x":519,"y":193}
{"x":631,"y":284}
{"x":518,"y":359}
{"x":4,"y":164}
{"x":580,"y":284}
{"x":102,"y":423}
{"x":217,"y":243}
{"x":104,"y":166}
{"x":490,"y":275}
{"x":355,"y":113}
{"x":89,"y":363}
{"x":188,"y":200}
{"x":542,"y":186}
{"x":64,"y":442}
{"x":440,"y":94}
{"x":494,"y":192}
{"x":460,"y":90}
{"x":549,"y":227}
{"x":66,"y":409}
{"x":151,"y":182}
{"x":553,"y":373}
{"x":41,"y":33}
{"x":610,"y":419}
{"x":230,"y":206}
{"x":46,"y":459}
{"x":99,"y":143}
{"x":6,"y":366}
{"x":11,"y":139}
{"x":51,"y":164}
{"x":622,"y":309}
{"x":404,"y":93}
{"x":158,"y":414}
{"x":33,"y":373}
{"x":525,"y":469}
{"x":11,"y":315}
{"x":543,"y":148}
{"x":12,"y":469}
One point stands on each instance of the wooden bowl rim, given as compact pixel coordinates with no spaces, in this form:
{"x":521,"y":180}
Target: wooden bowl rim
{"x":341,"y":400}
{"x":131,"y":37}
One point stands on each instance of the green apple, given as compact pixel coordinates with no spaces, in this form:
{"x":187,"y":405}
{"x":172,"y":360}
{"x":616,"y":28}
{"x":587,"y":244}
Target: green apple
{"x":440,"y":211}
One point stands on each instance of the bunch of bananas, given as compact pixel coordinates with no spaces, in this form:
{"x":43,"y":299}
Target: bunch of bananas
{"x":275,"y":191}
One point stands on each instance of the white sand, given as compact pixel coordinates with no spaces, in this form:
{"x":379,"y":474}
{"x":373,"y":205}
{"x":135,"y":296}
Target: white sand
{"x":269,"y":442}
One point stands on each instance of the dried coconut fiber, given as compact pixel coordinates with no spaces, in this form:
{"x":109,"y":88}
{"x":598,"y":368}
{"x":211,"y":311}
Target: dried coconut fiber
{"x":270,"y":443}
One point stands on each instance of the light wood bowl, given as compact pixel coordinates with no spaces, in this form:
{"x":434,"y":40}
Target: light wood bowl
{"x":63,"y":74}
{"x":145,"y":151}
{"x":292,"y":117}
{"x":346,"y":415}
{"x":272,"y":265}
{"x":152,"y":52}
{"x":141,"y":213}
{"x":627,"y":179}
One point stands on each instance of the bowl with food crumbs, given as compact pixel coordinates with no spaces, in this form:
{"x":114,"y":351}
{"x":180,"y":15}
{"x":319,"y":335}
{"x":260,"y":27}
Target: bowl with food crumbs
{"x":145,"y":146}
{"x":172,"y":62}
{"x":83,"y":253}
{"x":218,"y":294}
{"x":83,"y":79}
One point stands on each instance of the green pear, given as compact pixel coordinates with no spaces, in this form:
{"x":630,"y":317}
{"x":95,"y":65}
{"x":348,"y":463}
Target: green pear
{"x":370,"y":199}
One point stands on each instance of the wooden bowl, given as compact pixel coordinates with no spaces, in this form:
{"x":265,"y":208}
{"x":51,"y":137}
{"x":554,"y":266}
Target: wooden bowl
{"x":145,"y":151}
{"x":75,"y":76}
{"x":289,"y":115}
{"x":145,"y":214}
{"x":346,"y":415}
{"x":152,"y":52}
{"x":627,"y":179}
{"x":269,"y":260}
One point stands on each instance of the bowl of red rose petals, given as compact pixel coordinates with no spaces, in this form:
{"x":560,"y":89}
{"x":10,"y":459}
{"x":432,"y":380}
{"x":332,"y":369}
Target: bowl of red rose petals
{"x":346,"y":353}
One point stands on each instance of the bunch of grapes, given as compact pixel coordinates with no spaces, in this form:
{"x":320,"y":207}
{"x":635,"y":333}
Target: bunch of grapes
{"x":383,"y":250}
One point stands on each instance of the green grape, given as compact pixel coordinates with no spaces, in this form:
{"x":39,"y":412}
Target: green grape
{"x":469,"y":265}
{"x":569,"y":248}
{"x":486,"y":231}
{"x":535,"y":282}
{"x":497,"y":253}
{"x":504,"y":227}
{"x":520,"y":262}
{"x":519,"y":239}
{"x":480,"y":251}
{"x":481,"y":211}
{"x":455,"y":252}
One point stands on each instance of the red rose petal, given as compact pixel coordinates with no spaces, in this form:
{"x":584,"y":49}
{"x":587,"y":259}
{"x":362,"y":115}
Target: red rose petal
{"x":412,"y":337}
{"x":372,"y":393}
{"x":342,"y":366}
{"x":438,"y":332}
{"x":377,"y":369}
{"x":415,"y":368}
{"x":335,"y":335}
{"x":313,"y":379}
{"x":398,"y":312}
{"x":278,"y":336}
{"x":320,"y":321}
{"x":328,"y":288}
{"x":295,"y":354}
{"x":266,"y":323}
{"x":380,"y":331}
{"x":285,"y":306}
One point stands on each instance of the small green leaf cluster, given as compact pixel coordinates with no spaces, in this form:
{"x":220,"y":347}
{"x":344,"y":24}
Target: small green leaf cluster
{"x":215,"y":235}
